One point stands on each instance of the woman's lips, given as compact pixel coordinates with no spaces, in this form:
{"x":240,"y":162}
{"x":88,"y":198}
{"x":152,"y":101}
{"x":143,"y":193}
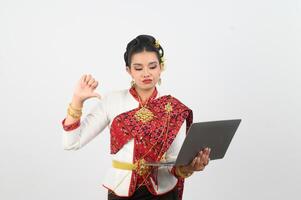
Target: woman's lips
{"x":147,"y":81}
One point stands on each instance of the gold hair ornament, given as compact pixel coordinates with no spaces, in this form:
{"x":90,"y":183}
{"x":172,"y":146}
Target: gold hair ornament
{"x":157,"y":44}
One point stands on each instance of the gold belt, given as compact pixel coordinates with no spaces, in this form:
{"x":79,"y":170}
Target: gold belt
{"x":139,"y":166}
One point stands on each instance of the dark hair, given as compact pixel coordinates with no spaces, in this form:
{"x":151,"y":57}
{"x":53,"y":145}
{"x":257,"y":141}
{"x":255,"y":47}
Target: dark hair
{"x":142,"y":43}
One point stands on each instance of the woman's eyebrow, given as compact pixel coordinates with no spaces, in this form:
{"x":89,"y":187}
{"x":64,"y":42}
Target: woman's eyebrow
{"x":138,"y":64}
{"x":154,"y":62}
{"x":150,"y":63}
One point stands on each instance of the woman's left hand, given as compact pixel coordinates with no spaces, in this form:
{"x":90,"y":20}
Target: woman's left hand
{"x":199,"y":162}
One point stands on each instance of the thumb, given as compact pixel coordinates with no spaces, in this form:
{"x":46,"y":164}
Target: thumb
{"x":95,"y":94}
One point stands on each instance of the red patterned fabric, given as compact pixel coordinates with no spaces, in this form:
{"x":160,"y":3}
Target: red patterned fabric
{"x":151,"y":139}
{"x":72,"y":126}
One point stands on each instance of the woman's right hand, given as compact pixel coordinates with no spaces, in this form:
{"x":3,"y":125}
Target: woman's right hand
{"x":85,"y":87}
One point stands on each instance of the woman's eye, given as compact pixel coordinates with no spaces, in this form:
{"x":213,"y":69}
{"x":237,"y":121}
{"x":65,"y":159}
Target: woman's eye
{"x":138,"y":69}
{"x":153,"y":67}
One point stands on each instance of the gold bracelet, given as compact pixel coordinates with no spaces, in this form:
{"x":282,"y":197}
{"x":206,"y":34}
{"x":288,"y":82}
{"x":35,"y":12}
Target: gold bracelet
{"x":73,"y":114}
{"x":77,"y":109}
{"x":74,"y":110}
{"x":181,"y":174}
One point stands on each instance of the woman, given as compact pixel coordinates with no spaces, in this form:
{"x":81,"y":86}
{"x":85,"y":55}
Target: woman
{"x":145,"y":126}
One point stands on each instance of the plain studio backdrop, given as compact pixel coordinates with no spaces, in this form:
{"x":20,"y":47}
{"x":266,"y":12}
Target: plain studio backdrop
{"x":224,"y":59}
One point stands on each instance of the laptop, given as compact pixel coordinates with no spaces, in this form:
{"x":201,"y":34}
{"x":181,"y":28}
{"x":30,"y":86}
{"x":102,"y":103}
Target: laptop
{"x":216,"y":135}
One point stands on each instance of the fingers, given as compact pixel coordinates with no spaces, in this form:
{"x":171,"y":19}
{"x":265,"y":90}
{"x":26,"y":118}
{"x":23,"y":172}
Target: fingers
{"x":192,"y":164}
{"x":87,"y":77}
{"x":201,"y":160}
{"x":205,"y":156}
{"x":200,"y":164}
{"x":82,"y":79}
{"x":94,"y":85}
{"x":89,"y":81}
{"x":206,"y":159}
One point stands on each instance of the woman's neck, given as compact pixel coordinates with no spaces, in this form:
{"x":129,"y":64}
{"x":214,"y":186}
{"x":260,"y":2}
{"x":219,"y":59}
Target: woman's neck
{"x":145,"y":94}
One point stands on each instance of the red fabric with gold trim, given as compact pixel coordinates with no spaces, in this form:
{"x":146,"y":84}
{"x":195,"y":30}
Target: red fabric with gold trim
{"x":153,"y":138}
{"x":72,"y":126}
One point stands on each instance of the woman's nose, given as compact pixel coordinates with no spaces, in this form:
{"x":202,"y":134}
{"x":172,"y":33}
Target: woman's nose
{"x":145,"y":72}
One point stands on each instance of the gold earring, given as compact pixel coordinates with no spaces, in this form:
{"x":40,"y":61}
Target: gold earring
{"x":162,"y":59}
{"x":132,"y":83}
{"x":163,"y":67}
{"x":159,"y":81}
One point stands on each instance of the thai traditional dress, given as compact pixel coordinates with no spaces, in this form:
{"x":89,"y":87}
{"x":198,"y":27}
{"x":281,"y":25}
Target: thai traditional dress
{"x":152,"y":131}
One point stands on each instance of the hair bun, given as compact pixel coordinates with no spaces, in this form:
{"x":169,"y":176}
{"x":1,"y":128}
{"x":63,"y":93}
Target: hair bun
{"x":143,"y":43}
{"x":146,"y":38}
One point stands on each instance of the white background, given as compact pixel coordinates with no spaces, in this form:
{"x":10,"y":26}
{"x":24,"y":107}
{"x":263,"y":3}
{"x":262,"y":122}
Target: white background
{"x":224,"y":59}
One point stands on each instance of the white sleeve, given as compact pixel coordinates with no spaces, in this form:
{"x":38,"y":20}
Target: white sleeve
{"x":93,"y":123}
{"x":174,"y":149}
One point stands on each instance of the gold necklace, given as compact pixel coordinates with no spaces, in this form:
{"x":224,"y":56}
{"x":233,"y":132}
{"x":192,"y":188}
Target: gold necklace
{"x":143,"y":114}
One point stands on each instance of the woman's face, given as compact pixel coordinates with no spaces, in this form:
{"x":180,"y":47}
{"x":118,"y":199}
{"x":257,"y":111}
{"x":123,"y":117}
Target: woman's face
{"x":145,"y":70}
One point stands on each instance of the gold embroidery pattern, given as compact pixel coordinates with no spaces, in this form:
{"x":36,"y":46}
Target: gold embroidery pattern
{"x":168,"y":107}
{"x":141,"y":168}
{"x":144,"y":115}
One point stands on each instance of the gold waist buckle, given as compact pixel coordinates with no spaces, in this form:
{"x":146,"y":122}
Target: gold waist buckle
{"x":139,"y":166}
